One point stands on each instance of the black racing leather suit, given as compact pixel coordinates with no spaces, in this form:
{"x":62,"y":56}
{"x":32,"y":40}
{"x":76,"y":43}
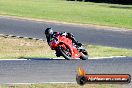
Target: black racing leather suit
{"x":68,"y":35}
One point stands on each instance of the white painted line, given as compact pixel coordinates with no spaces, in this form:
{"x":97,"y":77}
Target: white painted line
{"x":41,"y":39}
{"x":10,"y":35}
{"x":108,"y":57}
{"x":18,"y":36}
{"x":34,"y":38}
{"x":26,"y":37}
{"x":1,"y":34}
{"x":97,"y":57}
{"x":63,"y":58}
{"x":57,"y":58}
{"x":12,"y":59}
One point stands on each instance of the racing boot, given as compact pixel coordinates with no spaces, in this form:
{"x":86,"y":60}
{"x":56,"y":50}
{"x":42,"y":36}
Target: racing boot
{"x":76,"y":42}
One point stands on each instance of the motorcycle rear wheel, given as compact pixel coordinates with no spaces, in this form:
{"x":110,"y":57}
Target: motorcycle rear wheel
{"x":84,"y":55}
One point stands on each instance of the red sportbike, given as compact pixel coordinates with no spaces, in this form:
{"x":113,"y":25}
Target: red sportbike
{"x":66,"y":48}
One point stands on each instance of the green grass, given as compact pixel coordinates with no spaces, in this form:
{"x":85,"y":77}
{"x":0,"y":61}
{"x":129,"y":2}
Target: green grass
{"x":16,"y":48}
{"x":103,"y":51}
{"x":75,"y":12}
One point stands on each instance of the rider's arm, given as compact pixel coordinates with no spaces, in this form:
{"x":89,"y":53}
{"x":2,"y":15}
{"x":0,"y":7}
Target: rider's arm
{"x":64,"y":34}
{"x":53,"y":36}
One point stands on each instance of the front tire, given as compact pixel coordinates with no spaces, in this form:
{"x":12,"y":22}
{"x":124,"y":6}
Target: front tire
{"x":63,"y":52}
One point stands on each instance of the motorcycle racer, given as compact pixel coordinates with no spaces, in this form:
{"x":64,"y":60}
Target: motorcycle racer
{"x":65,"y":45}
{"x":50,"y":35}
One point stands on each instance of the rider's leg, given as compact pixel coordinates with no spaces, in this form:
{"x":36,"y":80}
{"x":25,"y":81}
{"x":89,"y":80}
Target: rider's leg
{"x":71,"y":36}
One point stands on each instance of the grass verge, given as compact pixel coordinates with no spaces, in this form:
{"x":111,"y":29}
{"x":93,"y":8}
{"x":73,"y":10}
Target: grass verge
{"x":16,"y":48}
{"x":74,"y":12}
{"x":67,"y":85}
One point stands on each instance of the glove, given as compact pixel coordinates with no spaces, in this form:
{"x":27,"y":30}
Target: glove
{"x":64,"y":34}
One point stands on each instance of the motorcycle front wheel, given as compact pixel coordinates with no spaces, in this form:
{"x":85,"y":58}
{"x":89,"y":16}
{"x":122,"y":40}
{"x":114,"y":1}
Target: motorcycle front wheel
{"x":65,"y":52}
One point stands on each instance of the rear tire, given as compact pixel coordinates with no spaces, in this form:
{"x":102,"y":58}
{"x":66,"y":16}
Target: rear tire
{"x":64,"y":54}
{"x":84,"y":55}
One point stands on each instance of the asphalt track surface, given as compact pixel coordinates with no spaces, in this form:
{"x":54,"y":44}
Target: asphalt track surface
{"x":85,"y":34}
{"x":46,"y":70}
